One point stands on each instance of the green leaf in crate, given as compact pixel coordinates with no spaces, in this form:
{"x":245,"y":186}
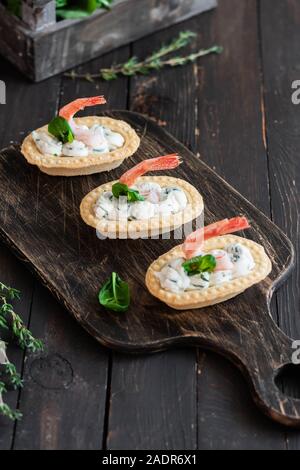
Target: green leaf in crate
{"x":75,"y":14}
{"x":14,"y":7}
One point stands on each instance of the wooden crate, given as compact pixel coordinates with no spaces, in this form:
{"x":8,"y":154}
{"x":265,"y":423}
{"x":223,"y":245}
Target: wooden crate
{"x":41,"y":47}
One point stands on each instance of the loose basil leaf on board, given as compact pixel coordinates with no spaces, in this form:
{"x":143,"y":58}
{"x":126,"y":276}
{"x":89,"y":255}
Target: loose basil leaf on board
{"x":120,"y":189}
{"x":115,"y":294}
{"x":61,"y":129}
{"x":200,"y":264}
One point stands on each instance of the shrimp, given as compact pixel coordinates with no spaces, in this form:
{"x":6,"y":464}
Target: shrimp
{"x":223,"y":260}
{"x":69,"y":111}
{"x":167,"y":162}
{"x":93,"y":137}
{"x":194,"y":241}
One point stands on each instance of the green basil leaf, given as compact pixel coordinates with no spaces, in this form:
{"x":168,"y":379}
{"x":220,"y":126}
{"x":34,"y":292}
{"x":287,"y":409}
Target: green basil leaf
{"x":72,"y":13}
{"x":104,"y":4}
{"x":120,"y":189}
{"x":61,"y":129}
{"x":61,"y":3}
{"x":200,"y":264}
{"x":90,"y":5}
{"x":134,"y":195}
{"x":115,"y":294}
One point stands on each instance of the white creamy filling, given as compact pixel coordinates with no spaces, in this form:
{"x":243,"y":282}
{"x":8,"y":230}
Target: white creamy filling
{"x":159,"y":201}
{"x":233,"y":262}
{"x":75,"y":149}
{"x":96,"y":139}
{"x":46,"y":143}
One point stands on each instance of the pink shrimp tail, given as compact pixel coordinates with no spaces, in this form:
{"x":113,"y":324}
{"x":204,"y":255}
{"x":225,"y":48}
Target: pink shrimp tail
{"x":223,"y":262}
{"x":167,"y":162}
{"x":68,"y":111}
{"x":195,"y":240}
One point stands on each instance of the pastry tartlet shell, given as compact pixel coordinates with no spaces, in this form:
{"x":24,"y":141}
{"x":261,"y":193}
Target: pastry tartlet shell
{"x":94,"y":162}
{"x":212,"y":295}
{"x":142,"y":228}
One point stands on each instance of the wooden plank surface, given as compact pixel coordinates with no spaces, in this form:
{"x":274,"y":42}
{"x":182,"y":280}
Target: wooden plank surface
{"x":220,"y":386}
{"x":231,"y":328}
{"x":188,"y":109}
{"x":17,"y":122}
{"x":229,"y":138}
{"x":280,"y":48}
{"x":149,"y":420}
{"x":72,"y":414}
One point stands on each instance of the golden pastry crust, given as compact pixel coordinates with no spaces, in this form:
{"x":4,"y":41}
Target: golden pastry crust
{"x":94,"y":162}
{"x":142,"y":228}
{"x":212,"y":295}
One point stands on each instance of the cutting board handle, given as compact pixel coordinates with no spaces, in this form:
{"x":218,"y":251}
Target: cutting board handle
{"x":270,"y":355}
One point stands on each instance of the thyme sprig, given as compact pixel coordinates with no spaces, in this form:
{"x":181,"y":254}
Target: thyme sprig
{"x":14,"y":376}
{"x":9,"y":292}
{"x":5,"y":409}
{"x":156,"y":61}
{"x":10,"y":320}
{"x":15,"y":380}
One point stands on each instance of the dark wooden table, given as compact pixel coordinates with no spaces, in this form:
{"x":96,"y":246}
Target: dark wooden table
{"x":235,"y":112}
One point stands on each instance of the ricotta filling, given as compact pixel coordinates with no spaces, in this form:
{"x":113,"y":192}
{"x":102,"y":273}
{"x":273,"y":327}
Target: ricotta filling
{"x":240,"y":263}
{"x":101,"y":140}
{"x":159,"y":201}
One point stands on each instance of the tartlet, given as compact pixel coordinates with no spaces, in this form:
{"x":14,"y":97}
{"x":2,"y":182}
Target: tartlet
{"x":153,"y":225}
{"x":126,"y":229}
{"x":198,"y":298}
{"x":94,"y":162}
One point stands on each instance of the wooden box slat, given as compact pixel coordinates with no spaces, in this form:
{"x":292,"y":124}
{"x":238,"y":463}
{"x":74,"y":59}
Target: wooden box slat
{"x":45,"y":51}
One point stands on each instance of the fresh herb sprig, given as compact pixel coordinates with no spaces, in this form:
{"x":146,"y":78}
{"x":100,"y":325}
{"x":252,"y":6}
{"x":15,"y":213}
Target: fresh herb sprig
{"x":156,"y":61}
{"x":9,"y":292}
{"x":5,"y":409}
{"x":13,"y":376}
{"x":15,"y":380}
{"x":120,"y":189}
{"x":10,"y":320}
{"x":115,"y":294}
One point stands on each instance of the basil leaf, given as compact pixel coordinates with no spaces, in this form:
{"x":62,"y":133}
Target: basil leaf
{"x":134,"y":195}
{"x":61,"y":129}
{"x":61,"y":3}
{"x":104,"y":4}
{"x":120,"y":189}
{"x":115,"y":294}
{"x":200,"y":264}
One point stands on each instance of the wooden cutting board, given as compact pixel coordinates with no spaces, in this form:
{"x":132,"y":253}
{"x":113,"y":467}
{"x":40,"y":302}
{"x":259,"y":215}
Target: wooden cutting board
{"x":40,"y":221}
